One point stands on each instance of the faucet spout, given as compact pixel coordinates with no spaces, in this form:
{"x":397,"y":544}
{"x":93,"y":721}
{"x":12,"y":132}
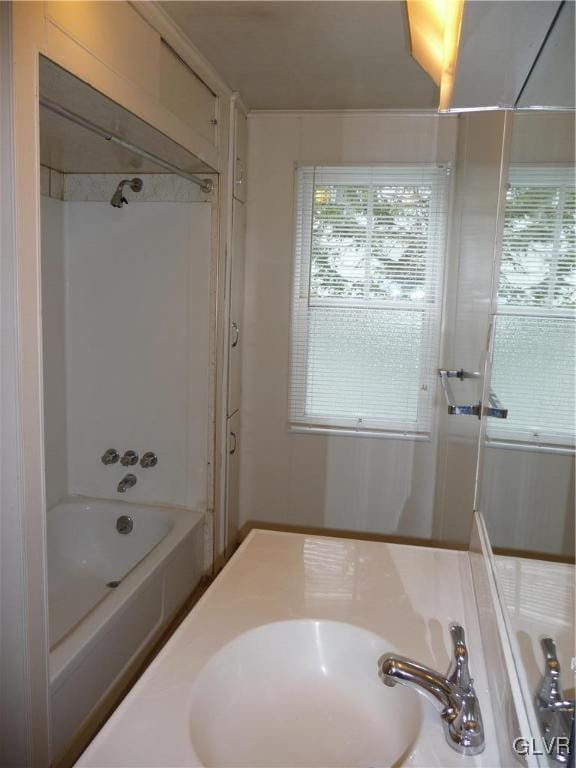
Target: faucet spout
{"x":128,"y":481}
{"x":452,"y":695}
{"x":436,"y":688}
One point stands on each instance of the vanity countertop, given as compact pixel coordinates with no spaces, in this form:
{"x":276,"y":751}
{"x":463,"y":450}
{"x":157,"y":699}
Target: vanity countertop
{"x":405,"y":594}
{"x":539,"y":600}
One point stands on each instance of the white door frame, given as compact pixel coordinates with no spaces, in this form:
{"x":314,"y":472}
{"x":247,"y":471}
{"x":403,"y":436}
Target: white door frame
{"x":24,"y":678}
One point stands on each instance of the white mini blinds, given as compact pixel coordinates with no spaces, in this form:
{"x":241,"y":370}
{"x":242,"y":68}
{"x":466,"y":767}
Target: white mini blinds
{"x":534,"y":365}
{"x":367,"y":295}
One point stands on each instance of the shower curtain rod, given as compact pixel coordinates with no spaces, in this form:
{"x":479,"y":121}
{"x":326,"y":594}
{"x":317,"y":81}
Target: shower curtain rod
{"x":206,"y":185}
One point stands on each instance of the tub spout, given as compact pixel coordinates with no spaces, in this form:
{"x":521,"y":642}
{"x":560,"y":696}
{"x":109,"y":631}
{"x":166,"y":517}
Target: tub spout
{"x":128,"y":481}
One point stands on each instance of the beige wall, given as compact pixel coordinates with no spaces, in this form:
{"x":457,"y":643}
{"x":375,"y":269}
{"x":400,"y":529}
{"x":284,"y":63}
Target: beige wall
{"x":543,"y":137}
{"x":374,"y":485}
{"x":483,"y":142}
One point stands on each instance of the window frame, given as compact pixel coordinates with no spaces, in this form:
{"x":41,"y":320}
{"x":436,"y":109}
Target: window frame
{"x":499,"y":434}
{"x":431,"y":307}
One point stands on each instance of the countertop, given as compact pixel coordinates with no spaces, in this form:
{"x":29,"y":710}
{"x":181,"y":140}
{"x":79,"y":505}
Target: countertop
{"x":539,"y":600}
{"x":407,"y":595}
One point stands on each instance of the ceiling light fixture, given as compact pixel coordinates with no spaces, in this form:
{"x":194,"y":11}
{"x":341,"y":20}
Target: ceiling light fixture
{"x":434,"y":40}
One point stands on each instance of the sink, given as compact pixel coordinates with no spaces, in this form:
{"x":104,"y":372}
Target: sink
{"x":303,"y":694}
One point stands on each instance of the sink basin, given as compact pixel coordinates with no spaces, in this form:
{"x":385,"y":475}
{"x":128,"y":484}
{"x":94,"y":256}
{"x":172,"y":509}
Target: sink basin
{"x":303,"y":694}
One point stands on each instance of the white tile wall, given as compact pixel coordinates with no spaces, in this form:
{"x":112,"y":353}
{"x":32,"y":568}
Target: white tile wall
{"x":157,"y":187}
{"x":126,"y":296}
{"x":138,"y":347}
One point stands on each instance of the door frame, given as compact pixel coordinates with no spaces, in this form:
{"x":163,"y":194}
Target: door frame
{"x":25,"y":736}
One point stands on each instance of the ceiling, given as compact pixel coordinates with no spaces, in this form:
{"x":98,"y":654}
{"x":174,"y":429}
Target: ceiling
{"x":309,"y":55}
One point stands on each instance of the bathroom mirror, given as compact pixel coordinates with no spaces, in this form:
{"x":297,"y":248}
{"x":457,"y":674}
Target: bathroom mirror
{"x":526,"y":483}
{"x":551,"y":80}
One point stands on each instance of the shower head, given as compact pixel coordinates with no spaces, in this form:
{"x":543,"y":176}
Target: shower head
{"x":118,"y":199}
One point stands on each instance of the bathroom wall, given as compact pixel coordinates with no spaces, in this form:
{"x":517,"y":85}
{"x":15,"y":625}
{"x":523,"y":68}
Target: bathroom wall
{"x":529,"y":500}
{"x":131,"y":290}
{"x":478,"y":190}
{"x":358,"y":484}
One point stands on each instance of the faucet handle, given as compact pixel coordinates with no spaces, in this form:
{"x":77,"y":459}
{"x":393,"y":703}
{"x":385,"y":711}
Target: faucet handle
{"x":555,"y":714}
{"x":459,"y":671}
{"x":110,"y":456}
{"x":550,"y":656}
{"x":467,"y":728}
{"x":550,"y":691}
{"x":129,"y":459}
{"x":458,"y":635}
{"x":149,"y":459}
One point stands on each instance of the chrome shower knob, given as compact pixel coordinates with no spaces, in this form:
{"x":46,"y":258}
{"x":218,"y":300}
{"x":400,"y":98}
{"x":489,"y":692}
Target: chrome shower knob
{"x":129,"y":459}
{"x":110,"y":456}
{"x":149,"y":460}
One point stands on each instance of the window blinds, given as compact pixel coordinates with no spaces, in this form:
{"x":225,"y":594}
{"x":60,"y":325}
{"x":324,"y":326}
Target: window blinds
{"x":534,"y":363}
{"x":366,"y":305}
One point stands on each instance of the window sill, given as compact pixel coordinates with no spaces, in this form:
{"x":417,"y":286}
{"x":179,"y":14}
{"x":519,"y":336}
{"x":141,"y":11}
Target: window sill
{"x":563,"y":450}
{"x":380,"y":435}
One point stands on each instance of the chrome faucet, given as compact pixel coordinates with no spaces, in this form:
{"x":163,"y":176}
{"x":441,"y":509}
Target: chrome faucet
{"x":555,"y":713}
{"x":452,"y":695}
{"x":128,"y":481}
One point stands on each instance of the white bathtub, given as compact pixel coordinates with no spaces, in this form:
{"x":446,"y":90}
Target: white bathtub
{"x":97,"y":630}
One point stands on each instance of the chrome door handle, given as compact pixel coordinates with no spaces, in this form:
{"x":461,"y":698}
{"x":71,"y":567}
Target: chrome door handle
{"x":494,"y":408}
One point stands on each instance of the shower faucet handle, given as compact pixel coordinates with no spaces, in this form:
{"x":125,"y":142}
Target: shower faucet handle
{"x":110,"y":456}
{"x":129,"y":459}
{"x":149,"y":459}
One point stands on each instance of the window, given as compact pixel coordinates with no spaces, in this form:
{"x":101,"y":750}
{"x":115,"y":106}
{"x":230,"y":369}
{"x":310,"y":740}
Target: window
{"x":367,"y":297}
{"x":533,"y":369}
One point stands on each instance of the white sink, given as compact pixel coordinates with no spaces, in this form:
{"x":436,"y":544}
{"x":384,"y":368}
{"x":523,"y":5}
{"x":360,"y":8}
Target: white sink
{"x":303,"y":694}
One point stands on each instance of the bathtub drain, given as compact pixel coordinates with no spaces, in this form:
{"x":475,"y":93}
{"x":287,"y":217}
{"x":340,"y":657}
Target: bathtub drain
{"x":113,"y":584}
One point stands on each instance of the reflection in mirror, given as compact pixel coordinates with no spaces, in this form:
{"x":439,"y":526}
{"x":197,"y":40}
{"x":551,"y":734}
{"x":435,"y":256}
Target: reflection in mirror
{"x":551,"y":81}
{"x":527,"y":483}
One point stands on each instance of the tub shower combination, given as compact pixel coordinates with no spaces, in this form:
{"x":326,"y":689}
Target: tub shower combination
{"x":118,"y":572}
{"x":125,"y":532}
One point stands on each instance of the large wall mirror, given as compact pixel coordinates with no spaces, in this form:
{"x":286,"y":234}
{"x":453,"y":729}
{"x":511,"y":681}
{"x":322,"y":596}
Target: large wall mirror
{"x":526,"y":484}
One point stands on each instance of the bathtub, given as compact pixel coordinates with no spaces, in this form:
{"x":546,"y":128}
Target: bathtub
{"x":110,"y":595}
